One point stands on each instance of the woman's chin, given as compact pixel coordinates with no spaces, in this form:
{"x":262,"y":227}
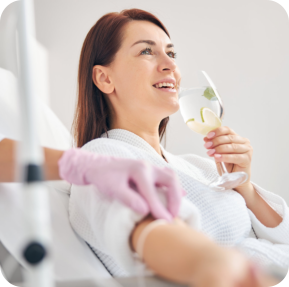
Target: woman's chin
{"x":172,"y":107}
{"x":175,"y":106}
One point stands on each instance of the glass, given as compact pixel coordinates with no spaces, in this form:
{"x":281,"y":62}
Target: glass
{"x":202,"y":110}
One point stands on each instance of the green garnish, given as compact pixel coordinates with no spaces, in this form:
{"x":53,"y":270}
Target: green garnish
{"x":190,"y":120}
{"x":202,"y":114}
{"x":210,"y":94}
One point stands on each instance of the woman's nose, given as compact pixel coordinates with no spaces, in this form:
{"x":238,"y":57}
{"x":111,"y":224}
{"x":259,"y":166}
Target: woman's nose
{"x":167,"y":63}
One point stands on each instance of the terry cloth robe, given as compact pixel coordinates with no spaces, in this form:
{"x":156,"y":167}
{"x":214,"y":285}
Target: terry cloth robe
{"x":106,"y":225}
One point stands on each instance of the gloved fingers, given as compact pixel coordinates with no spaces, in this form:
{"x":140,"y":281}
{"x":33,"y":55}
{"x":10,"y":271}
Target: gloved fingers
{"x":164,"y":189}
{"x":148,"y":191}
{"x":174,"y":202}
{"x":133,"y":200}
{"x":158,"y":210}
{"x":174,"y":191}
{"x":173,"y":199}
{"x":167,"y":177}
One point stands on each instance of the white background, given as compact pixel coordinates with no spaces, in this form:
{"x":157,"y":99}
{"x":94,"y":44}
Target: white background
{"x":242,"y":44}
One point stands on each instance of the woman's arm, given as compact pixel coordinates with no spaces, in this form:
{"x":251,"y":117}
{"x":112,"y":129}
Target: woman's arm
{"x":179,"y":253}
{"x":236,"y":152}
{"x":7,"y":161}
{"x":262,"y":210}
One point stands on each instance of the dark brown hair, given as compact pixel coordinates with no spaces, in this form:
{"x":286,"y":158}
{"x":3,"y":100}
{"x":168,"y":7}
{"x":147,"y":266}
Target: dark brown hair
{"x":99,"y":48}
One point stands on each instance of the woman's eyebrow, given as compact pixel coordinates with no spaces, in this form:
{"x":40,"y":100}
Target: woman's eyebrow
{"x":150,"y":42}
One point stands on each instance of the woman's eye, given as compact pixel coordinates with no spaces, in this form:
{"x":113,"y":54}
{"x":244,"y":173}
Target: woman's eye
{"x":172,"y":54}
{"x":147,"y":51}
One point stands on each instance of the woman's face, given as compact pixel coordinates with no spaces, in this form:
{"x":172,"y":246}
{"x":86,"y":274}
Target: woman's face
{"x":146,"y":59}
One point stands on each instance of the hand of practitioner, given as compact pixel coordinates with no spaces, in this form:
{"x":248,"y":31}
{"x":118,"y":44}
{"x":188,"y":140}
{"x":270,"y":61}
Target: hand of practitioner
{"x":132,"y":182}
{"x":227,"y":146}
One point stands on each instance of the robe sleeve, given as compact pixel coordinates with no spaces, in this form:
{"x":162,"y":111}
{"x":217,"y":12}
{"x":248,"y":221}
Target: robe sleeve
{"x":280,"y":233}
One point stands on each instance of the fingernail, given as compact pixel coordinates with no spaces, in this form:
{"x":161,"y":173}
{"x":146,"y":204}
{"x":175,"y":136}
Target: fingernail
{"x":211,"y":151}
{"x":208,"y":144}
{"x":210,"y":135}
{"x":217,"y":155}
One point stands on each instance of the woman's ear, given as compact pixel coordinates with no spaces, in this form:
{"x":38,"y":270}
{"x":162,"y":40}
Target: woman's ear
{"x":101,"y":79}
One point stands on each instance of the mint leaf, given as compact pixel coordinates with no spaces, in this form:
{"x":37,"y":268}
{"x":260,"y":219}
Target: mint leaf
{"x":210,"y":94}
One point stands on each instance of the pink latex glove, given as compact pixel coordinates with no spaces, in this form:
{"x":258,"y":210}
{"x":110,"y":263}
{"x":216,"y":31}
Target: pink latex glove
{"x":133,"y":182}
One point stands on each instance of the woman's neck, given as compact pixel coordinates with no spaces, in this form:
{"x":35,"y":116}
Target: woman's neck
{"x":147,"y":131}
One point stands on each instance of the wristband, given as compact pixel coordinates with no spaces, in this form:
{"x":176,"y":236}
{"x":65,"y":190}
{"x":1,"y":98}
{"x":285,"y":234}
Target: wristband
{"x":146,"y":231}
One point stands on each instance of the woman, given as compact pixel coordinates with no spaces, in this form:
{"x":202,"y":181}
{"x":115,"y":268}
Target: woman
{"x":82,"y":168}
{"x":128,"y":81}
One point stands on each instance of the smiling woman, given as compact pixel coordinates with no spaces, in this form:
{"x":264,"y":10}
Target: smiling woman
{"x":123,"y":65}
{"x":128,"y":88}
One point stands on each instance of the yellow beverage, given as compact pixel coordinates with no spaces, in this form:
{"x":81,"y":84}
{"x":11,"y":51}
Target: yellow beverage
{"x":200,"y":109}
{"x":210,"y":121}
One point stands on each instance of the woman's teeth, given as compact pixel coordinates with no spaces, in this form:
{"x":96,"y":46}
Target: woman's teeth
{"x":164,"y":85}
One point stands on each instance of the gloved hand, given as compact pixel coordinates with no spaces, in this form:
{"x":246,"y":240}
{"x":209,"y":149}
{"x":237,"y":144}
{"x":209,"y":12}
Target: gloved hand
{"x":135,"y":183}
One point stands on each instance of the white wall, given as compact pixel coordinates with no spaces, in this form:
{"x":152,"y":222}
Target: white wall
{"x":242,"y":44}
{"x":40,"y":59}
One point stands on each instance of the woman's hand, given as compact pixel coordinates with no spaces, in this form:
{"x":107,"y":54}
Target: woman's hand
{"x":235,"y":151}
{"x":224,"y":267}
{"x":134,"y":183}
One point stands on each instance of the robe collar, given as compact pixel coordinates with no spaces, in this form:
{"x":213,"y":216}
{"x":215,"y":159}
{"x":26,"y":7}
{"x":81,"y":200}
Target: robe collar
{"x":134,"y":140}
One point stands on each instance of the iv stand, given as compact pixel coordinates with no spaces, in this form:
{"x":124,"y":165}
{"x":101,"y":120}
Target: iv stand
{"x":36,"y":252}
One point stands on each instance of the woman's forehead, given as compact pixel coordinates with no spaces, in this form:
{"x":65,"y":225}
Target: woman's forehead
{"x":136,"y":31}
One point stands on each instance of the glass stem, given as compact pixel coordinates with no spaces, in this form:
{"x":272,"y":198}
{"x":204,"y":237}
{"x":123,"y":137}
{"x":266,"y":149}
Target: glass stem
{"x":223,"y":168}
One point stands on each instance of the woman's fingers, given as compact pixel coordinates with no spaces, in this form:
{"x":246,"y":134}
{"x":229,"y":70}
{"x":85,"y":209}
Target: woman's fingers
{"x":226,"y":143}
{"x":240,"y":159}
{"x":227,"y":146}
{"x":223,"y":130}
{"x":229,"y":149}
{"x":225,"y":139}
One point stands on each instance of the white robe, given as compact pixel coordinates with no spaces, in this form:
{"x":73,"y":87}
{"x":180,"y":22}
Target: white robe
{"x":106,"y":224}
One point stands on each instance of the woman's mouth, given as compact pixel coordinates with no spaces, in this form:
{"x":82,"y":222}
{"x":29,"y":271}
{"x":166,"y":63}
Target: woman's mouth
{"x":166,"y":87}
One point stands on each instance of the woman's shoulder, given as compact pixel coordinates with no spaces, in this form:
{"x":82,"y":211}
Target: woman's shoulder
{"x":107,"y":146}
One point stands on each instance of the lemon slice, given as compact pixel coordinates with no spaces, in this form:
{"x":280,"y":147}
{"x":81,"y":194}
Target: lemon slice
{"x":210,"y":122}
{"x":210,"y":118}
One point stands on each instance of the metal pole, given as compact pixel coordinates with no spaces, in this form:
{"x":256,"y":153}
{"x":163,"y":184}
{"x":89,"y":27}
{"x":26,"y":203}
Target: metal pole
{"x":36,"y":250}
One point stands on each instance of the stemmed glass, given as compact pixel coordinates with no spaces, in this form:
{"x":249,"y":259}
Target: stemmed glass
{"x":202,"y":110}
